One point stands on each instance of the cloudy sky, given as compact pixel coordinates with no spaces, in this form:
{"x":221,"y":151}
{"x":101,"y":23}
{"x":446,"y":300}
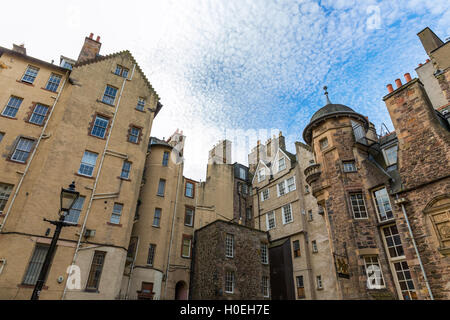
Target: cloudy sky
{"x":241,"y":69}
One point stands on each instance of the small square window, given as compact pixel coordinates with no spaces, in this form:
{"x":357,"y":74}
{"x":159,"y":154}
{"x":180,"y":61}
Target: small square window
{"x":141,"y":104}
{"x":109,"y":97}
{"x":134,"y":134}
{"x":323,"y":143}
{"x":88,"y":163}
{"x":349,"y":166}
{"x":100,"y":126}
{"x":319,"y":282}
{"x":74,"y":213}
{"x":314,"y":246}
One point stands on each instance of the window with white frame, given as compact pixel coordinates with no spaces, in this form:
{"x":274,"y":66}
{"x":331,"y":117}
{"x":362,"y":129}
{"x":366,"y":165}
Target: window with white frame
{"x":358,"y":205}
{"x":53,"y":82}
{"x":12,"y":107}
{"x":261,"y":175}
{"x":281,"y":164}
{"x":100,"y":126}
{"x":5,"y":192}
{"x":229,"y":282}
{"x":349,"y":166}
{"x":264,"y":253}
{"x":30,"y":74}
{"x":229,"y":246}
{"x":270,"y":220}
{"x":291,"y":184}
{"x":35,"y":264}
{"x":74,"y":213}
{"x":374,"y":273}
{"x":265,"y":195}
{"x":109,"y":96}
{"x":189,"y":217}
{"x":281,"y":188}
{"x":88,"y":163}
{"x":22,"y":150}
{"x":265,"y":286}
{"x":116,"y":214}
{"x":39,"y":114}
{"x":287,"y":214}
{"x":134,"y":134}
{"x":126,"y":168}
{"x":390,"y":155}
{"x":314,"y":246}
{"x":383,"y":205}
{"x":140,"y":104}
{"x":186,"y":246}
{"x":319,"y":282}
{"x":157,"y":218}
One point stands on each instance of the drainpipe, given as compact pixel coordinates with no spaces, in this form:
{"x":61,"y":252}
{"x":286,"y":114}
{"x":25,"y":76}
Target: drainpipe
{"x":171,"y":231}
{"x":132,"y":269}
{"x":415,"y":248}
{"x":96,"y":179}
{"x":19,"y":185}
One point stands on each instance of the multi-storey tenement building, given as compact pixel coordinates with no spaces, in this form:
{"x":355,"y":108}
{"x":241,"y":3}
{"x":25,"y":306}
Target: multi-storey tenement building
{"x":90,"y":125}
{"x":162,"y":238}
{"x":300,"y":257}
{"x":386,"y":199}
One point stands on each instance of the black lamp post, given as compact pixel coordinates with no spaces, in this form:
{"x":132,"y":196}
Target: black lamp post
{"x":68,"y":197}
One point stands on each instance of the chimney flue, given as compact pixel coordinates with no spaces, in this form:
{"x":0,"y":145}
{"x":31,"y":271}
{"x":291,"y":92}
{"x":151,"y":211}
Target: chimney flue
{"x":390,"y":88}
{"x":398,"y":82}
{"x":407,"y":77}
{"x":91,"y":36}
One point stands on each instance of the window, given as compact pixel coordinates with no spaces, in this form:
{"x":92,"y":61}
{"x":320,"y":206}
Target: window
{"x":229,"y":246}
{"x":96,"y":271}
{"x":186,"y":246}
{"x":165,"y":161}
{"x":5,"y":192}
{"x":22,"y":150}
{"x":35,"y":264}
{"x":140,"y":104}
{"x":265,"y":286}
{"x":245,"y":189}
{"x":53,"y":82}
{"x":296,"y":247}
{"x":374,"y":274}
{"x":323,"y":143}
{"x":229,"y":282}
{"x":189,"y":192}
{"x":12,"y":107}
{"x":393,"y":241}
{"x":117,"y":212}
{"x":100,"y":126}
{"x":151,"y":254}
{"x":161,"y":187}
{"x":310,"y":215}
{"x":30,"y":74}
{"x":287,"y":214}
{"x":314,"y":246}
{"x":281,"y":188}
{"x":88,"y":163}
{"x":134,"y":134}
{"x":291,"y":184}
{"x":157,"y":218}
{"x":126,"y":168}
{"x":265,"y":195}
{"x":264,"y":254}
{"x":271,"y":220}
{"x":121,"y":71}
{"x":390,"y":155}
{"x":249,"y":213}
{"x":349,"y":166}
{"x":281,"y":164}
{"x":440,"y":218}
{"x":110,"y":95}
{"x":39,"y":114}
{"x":74,"y":213}
{"x":189,"y":217}
{"x":261,"y":175}
{"x":306,"y":189}
{"x":300,"y":287}
{"x":319,"y":282}
{"x":405,"y":281}
{"x":242,"y":174}
{"x":383,"y":205}
{"x":358,"y":206}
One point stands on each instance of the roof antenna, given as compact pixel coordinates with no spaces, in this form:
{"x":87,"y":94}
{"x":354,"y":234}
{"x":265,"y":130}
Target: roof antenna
{"x":326,"y":94}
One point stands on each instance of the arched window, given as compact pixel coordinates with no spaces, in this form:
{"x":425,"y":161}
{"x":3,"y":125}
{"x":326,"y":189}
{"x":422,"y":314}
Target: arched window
{"x":438,"y":211}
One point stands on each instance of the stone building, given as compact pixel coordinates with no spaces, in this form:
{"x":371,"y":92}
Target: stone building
{"x":385,"y":199}
{"x":230,"y":262}
{"x":159,"y":256}
{"x":90,"y":123}
{"x":300,"y":257}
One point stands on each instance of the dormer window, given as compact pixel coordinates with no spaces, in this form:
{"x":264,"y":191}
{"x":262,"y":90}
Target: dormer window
{"x":261,"y":175}
{"x":390,"y":155}
{"x":281,"y":164}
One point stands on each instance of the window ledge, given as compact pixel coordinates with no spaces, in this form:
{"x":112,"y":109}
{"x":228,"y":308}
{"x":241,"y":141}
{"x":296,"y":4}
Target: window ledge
{"x":386,"y":222}
{"x":105,"y":103}
{"x":1,"y":115}
{"x":143,"y":111}
{"x":50,"y":90}
{"x":91,"y":290}
{"x":35,"y":124}
{"x":124,"y":179}
{"x":25,"y":83}
{"x":84,"y":176}
{"x":114,"y":224}
{"x":14,"y":161}
{"x":91,"y":135}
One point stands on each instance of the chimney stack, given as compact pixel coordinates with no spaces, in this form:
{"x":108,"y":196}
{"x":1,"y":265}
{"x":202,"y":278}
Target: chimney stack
{"x":21,"y":49}
{"x":398,"y":82}
{"x":90,"y":49}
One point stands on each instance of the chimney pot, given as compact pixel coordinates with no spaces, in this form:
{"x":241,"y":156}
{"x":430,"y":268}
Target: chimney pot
{"x":390,"y":88}
{"x":428,"y":60}
{"x":91,"y":36}
{"x":398,"y":82}
{"x":407,"y":77}
{"x":420,"y":64}
{"x":98,"y":39}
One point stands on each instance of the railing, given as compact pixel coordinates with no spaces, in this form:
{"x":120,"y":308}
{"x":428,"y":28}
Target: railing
{"x":312,"y":173}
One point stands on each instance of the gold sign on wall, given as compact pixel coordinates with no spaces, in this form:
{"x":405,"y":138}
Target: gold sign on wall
{"x":342,"y":268}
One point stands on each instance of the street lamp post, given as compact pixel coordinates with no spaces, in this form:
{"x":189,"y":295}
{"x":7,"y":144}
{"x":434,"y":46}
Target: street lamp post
{"x":68,"y":197}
